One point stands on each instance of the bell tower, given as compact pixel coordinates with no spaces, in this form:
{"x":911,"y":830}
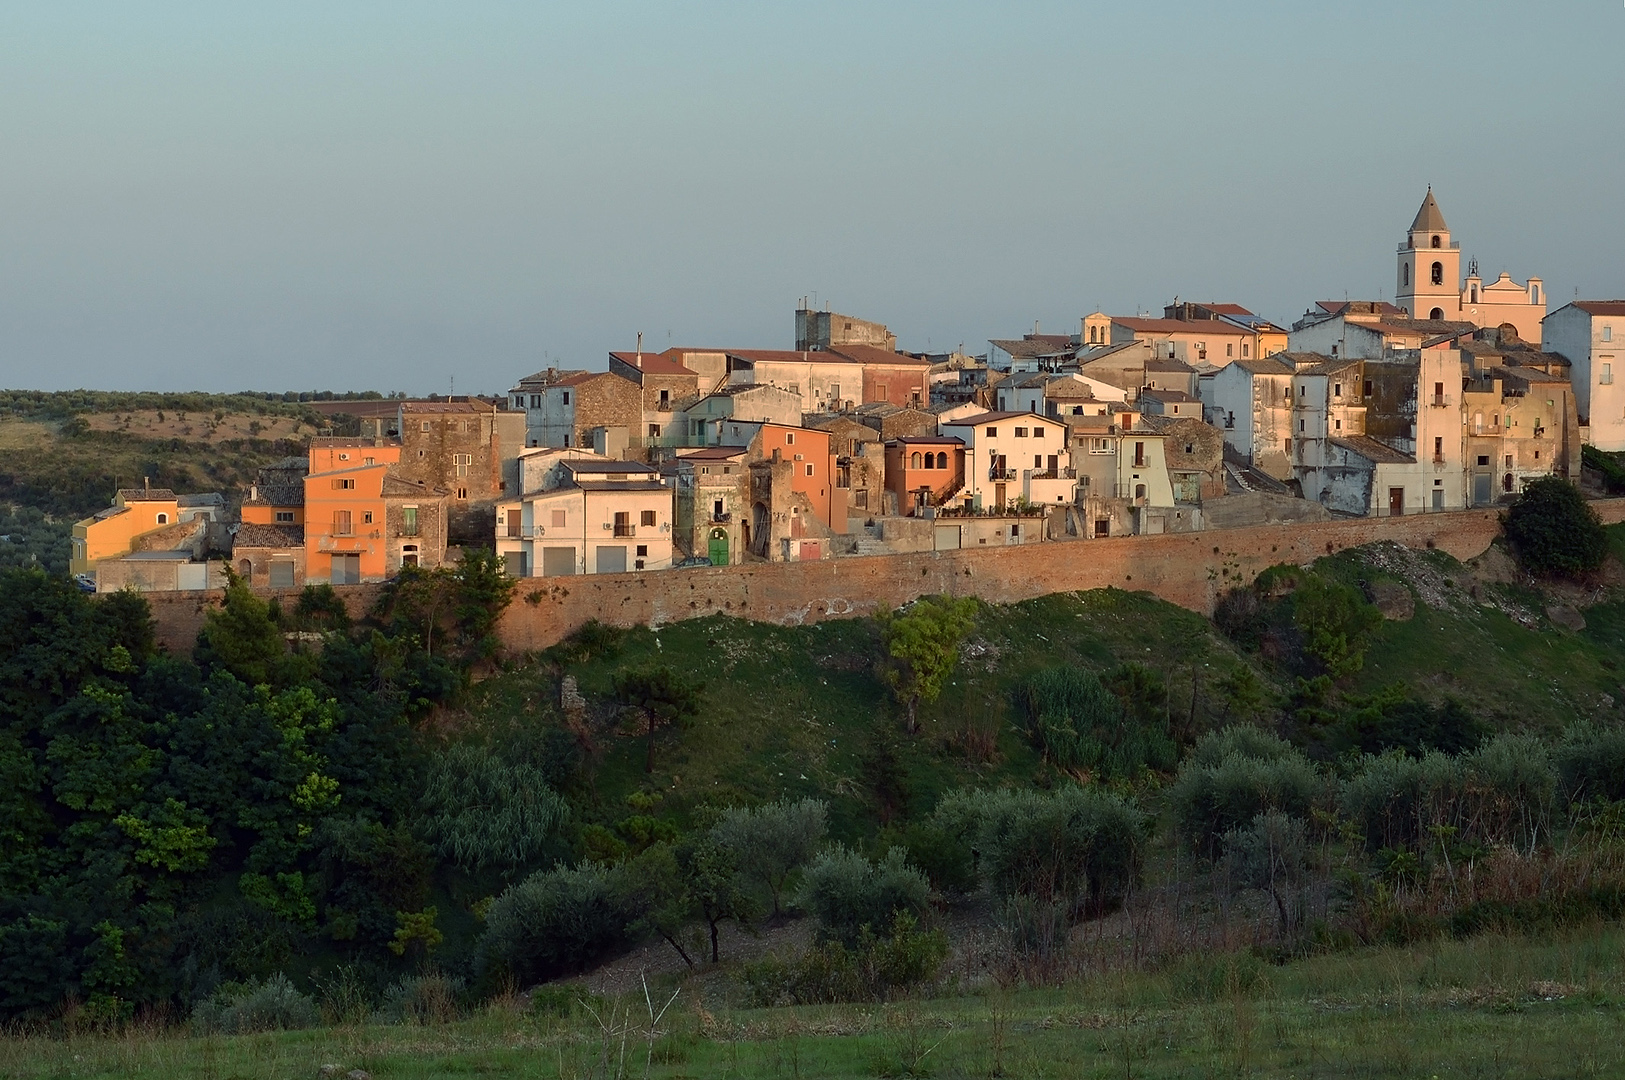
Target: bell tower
{"x":1429,"y":285}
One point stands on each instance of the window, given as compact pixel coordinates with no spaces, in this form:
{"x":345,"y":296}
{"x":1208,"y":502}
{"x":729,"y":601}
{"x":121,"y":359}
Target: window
{"x":342,"y":524}
{"x":647,"y":517}
{"x":654,"y":431}
{"x":462,"y":461}
{"x":462,"y":493}
{"x":665,"y":397}
{"x":369,"y":461}
{"x":1436,"y":314}
{"x":366,"y":517}
{"x":1337,"y":389}
{"x":623,"y":524}
{"x":1229,"y":349}
{"x":1472,"y":296}
{"x":942,"y":460}
{"x":1337,"y":425}
{"x":993,"y":433}
{"x":424,"y":426}
{"x":790,"y":438}
{"x":1366,"y":390}
{"x":1608,"y":333}
{"x":1438,"y":449}
{"x":809,"y":468}
{"x":536,"y":400}
{"x":284,"y":516}
{"x":1300,"y":425}
{"x":346,"y":483}
{"x":1437,"y":243}
{"x":643,"y":551}
{"x":163,"y":519}
{"x":880,"y":391}
{"x":1021,"y":433}
{"x":914,"y":460}
{"x":409,"y":521}
{"x":1404,"y":275}
{"x":1038,"y":432}
{"x":1436,"y":274}
{"x":1139,"y":454}
{"x":558,"y":518}
{"x":1244,"y":350}
{"x":567,"y":397}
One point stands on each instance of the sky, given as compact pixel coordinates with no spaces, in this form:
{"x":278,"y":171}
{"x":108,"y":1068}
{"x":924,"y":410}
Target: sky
{"x":395,"y":195}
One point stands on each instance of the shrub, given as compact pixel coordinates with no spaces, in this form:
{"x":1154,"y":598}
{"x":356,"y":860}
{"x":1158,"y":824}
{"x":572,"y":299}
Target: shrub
{"x":421,"y":999}
{"x":1211,"y":800}
{"x":1335,"y":619}
{"x":1511,"y":785}
{"x":1390,"y":720}
{"x":771,"y":842}
{"x":555,"y":922}
{"x":1591,"y":763}
{"x":848,"y":894}
{"x":480,"y":810}
{"x":1079,"y":847}
{"x":242,"y":1008}
{"x":831,"y":972}
{"x":1240,"y":616}
{"x":1250,"y":742}
{"x":943,"y":857}
{"x":1272,"y":854}
{"x":1396,"y":801}
{"x":921,"y":644}
{"x":1083,"y":726}
{"x":1554,"y":532}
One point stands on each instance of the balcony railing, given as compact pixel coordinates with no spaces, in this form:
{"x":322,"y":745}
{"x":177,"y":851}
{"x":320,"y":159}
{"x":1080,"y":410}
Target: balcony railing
{"x":1440,"y":401}
{"x":1002,"y":474}
{"x":1606,"y":379}
{"x":722,"y":518}
{"x":626,"y":530}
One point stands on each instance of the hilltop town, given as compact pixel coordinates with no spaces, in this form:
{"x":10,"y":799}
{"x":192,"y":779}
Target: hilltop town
{"x":1452,"y":396}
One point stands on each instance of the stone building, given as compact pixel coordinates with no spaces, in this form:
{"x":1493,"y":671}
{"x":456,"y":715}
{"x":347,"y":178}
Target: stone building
{"x":830,"y":330}
{"x":468,"y":449}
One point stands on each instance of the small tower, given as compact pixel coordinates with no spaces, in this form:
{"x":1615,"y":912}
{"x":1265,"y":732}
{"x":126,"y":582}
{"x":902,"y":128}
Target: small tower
{"x":1429,"y":285}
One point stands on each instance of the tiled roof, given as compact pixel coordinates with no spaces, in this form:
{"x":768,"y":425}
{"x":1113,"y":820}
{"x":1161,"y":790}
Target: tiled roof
{"x":411,"y":408}
{"x":397,"y":486}
{"x":1600,"y":307}
{"x":989,"y":418}
{"x":934,"y":440}
{"x":1372,"y":450}
{"x":249,"y":535}
{"x":788,"y":356}
{"x":1180,"y":326}
{"x":869,"y":354}
{"x":1262,"y":365}
{"x":206,"y":498}
{"x":601,"y":466}
{"x":713,"y":453}
{"x":131,"y":495}
{"x":1167,"y":363}
{"x":621,"y":485}
{"x":651,"y":363}
{"x":1032,"y":347}
{"x":1169,"y":396}
{"x":1359,"y":307}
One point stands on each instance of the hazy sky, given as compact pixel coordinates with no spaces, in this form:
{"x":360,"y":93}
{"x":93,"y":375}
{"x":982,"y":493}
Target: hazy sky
{"x":383,"y":195}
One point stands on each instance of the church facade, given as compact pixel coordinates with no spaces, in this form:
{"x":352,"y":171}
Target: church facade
{"x":1430,"y":285}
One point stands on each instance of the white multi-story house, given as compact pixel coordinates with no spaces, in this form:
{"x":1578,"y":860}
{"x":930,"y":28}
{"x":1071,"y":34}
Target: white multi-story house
{"x":1250,"y":401}
{"x":597,"y":516}
{"x":1590,"y":334}
{"x":1010,"y":455}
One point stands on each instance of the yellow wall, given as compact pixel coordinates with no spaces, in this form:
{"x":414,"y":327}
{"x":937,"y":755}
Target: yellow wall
{"x":112,"y":535}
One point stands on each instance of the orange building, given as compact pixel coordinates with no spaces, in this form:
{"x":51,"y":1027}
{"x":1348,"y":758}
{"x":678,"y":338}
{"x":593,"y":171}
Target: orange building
{"x":813,"y":454}
{"x":924,"y":470}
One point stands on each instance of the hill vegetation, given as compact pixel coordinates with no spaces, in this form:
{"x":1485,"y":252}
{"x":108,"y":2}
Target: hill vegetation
{"x":862,"y":847}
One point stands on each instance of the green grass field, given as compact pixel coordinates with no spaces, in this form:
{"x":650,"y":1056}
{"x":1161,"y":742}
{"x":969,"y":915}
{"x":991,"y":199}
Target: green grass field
{"x":1485,"y":1008}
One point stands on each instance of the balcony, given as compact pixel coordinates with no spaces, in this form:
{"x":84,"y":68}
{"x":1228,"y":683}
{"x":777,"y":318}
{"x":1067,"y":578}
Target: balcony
{"x":625,"y":530}
{"x":722,"y":518}
{"x":1002,"y":474}
{"x":1605,"y":379}
{"x":1439,"y":401}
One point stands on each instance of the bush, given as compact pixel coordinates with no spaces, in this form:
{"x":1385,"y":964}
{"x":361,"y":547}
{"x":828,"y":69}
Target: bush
{"x":849,"y":895}
{"x":1211,"y":800}
{"x":480,"y":810}
{"x":1390,"y":720}
{"x":1079,"y":848}
{"x":1511,"y":786}
{"x":1240,"y":616}
{"x":243,"y":1008}
{"x":1591,"y":763}
{"x":1336,"y":619}
{"x":1396,"y":801}
{"x":1083,"y":726}
{"x":1250,"y":742}
{"x":1272,"y":854}
{"x":421,"y":999}
{"x":771,"y":842}
{"x":1554,"y":532}
{"x":831,"y":972}
{"x":944,"y":858}
{"x":555,"y":922}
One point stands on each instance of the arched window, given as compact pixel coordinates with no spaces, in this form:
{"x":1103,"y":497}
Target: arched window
{"x":1405,"y":274}
{"x":163,"y":519}
{"x":1473,"y":299}
{"x":1436,"y":314}
{"x":1534,"y":294}
{"x":1438,"y":273}
{"x":930,"y":460}
{"x":1436,"y":242}
{"x":914,"y":460}
{"x":942,"y":460}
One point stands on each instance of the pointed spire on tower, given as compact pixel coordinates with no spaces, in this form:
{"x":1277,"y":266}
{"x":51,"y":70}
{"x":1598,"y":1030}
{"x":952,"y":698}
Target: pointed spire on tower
{"x":1429,"y":218}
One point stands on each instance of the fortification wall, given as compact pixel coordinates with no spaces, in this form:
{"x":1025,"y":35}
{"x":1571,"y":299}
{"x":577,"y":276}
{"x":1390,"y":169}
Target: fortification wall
{"x":1188,"y":569}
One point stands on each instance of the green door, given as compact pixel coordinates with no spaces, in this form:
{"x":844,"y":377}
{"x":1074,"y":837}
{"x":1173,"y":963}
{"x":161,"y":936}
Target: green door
{"x":719,"y":547}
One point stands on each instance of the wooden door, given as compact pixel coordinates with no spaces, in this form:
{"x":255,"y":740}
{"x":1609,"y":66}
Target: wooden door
{"x":1396,"y":502}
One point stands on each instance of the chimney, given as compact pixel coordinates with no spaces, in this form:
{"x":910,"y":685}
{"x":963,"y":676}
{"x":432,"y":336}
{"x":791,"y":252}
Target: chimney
{"x":253,"y":493}
{"x":146,"y":483}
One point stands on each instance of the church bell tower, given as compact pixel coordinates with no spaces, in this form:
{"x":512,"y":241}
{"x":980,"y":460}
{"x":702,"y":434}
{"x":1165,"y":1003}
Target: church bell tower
{"x":1429,"y":284}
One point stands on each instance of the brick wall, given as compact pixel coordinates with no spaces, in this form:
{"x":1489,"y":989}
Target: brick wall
{"x":1188,"y":569}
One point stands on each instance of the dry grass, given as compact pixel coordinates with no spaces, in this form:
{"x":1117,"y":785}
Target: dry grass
{"x":207,"y":428}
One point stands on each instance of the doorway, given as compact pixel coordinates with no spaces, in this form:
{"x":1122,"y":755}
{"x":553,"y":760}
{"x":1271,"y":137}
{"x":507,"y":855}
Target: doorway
{"x":717,"y":548}
{"x":1396,"y":502}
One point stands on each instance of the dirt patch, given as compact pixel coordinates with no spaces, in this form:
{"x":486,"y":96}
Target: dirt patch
{"x":24,"y":434}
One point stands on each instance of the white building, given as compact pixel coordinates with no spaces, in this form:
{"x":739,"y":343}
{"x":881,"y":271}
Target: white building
{"x":1013,"y":454}
{"x":600,"y":517}
{"x":1590,"y":334}
{"x":1250,"y":401}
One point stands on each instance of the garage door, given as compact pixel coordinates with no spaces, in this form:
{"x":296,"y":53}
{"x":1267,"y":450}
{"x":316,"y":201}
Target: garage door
{"x":612,"y":559}
{"x":558,"y":561}
{"x":947,"y":537}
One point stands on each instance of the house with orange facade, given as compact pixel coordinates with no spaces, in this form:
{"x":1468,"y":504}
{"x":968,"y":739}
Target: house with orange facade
{"x":143,"y":520}
{"x":924,"y":471}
